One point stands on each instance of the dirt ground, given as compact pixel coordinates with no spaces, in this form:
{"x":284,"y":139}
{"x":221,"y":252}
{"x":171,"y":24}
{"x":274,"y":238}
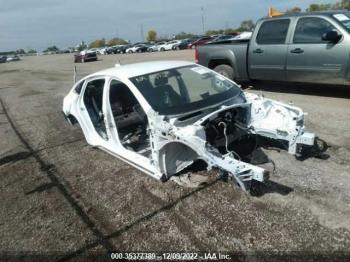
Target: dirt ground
{"x":61,"y":197}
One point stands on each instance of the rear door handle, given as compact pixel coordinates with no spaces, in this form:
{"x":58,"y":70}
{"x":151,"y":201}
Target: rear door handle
{"x":258,"y":51}
{"x":297,"y":51}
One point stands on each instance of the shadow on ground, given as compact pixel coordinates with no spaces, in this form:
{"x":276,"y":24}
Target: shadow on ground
{"x":296,"y":88}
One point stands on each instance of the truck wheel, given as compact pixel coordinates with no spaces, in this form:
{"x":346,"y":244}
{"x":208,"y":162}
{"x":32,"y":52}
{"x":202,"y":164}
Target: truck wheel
{"x":225,"y":70}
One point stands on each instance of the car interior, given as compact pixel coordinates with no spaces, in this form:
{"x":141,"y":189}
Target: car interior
{"x":130,"y":119}
{"x":93,"y":102}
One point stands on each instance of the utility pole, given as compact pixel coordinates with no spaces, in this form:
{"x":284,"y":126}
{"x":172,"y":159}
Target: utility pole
{"x":142,"y":35}
{"x":202,"y":19}
{"x":226,"y":25}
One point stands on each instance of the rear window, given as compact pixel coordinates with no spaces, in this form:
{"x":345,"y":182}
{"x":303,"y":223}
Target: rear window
{"x":273,"y":32}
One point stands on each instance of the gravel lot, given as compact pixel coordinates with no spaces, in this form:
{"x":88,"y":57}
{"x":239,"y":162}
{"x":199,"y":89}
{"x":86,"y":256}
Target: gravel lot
{"x":60,"y":196}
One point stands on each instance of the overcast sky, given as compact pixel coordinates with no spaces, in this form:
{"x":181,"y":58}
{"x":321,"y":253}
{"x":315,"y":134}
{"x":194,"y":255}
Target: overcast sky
{"x":40,"y":23}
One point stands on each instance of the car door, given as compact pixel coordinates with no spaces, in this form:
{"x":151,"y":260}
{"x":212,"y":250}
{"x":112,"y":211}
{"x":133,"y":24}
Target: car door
{"x":169,"y":45}
{"x":90,"y":111}
{"x":267,"y":52}
{"x":312,"y":60}
{"x":127,"y":126}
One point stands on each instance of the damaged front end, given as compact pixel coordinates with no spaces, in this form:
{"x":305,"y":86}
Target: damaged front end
{"x":226,"y":136}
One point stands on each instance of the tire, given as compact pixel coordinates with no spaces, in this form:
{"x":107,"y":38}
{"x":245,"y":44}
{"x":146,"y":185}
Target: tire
{"x":226,"y":71}
{"x":177,"y":48}
{"x":129,"y":51}
{"x":162,"y":49}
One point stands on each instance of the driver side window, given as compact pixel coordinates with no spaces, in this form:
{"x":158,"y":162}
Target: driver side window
{"x":310,"y":30}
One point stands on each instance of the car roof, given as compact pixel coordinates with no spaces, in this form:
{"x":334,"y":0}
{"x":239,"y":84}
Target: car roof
{"x":324,"y":13}
{"x":131,"y":70}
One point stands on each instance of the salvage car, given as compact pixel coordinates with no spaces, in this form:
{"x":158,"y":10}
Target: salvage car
{"x":161,"y":117}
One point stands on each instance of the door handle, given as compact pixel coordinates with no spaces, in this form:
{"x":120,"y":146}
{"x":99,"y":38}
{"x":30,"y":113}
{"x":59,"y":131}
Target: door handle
{"x":297,"y":51}
{"x":258,"y":51}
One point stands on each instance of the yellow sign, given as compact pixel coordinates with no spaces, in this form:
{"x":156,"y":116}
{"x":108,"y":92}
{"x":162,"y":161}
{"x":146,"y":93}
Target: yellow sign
{"x":273,"y":12}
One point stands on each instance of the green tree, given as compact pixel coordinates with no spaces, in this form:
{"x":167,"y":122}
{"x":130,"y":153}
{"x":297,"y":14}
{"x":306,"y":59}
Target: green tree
{"x":344,"y":4}
{"x":319,"y":7}
{"x":116,"y":41}
{"x":31,"y":51}
{"x":230,"y":31}
{"x":295,"y":9}
{"x":151,"y":36}
{"x":247,"y":25}
{"x":52,"y":49}
{"x":81,"y":46}
{"x":98,"y":43}
{"x":20,"y":51}
{"x":183,"y":35}
{"x":214,"y":32}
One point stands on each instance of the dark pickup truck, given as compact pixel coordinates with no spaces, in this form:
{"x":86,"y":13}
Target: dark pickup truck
{"x":304,"y":47}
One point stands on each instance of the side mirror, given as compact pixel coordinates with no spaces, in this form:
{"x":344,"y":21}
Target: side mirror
{"x":331,"y":36}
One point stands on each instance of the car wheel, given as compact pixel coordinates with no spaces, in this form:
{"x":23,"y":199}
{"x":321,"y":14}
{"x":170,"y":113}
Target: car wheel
{"x":177,"y":48}
{"x":225,"y":70}
{"x":129,"y":51}
{"x":162,"y":49}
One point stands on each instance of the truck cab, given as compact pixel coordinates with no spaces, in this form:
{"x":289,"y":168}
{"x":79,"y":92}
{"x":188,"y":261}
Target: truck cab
{"x":302,"y":47}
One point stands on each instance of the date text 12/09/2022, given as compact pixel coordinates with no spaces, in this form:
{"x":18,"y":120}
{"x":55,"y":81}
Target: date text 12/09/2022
{"x":190,"y":256}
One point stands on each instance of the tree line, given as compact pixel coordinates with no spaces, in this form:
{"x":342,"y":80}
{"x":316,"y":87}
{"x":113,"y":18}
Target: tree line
{"x":246,"y":25}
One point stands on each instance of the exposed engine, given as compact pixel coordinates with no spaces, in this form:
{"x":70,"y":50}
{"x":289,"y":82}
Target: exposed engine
{"x":228,"y":132}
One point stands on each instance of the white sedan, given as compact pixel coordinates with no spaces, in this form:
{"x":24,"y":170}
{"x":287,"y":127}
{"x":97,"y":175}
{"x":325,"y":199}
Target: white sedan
{"x":168,"y":45}
{"x":161,"y":117}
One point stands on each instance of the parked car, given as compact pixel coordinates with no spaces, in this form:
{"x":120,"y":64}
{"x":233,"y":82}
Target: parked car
{"x":200,"y":41}
{"x":168,"y":45}
{"x":155,"y":47}
{"x":303,"y":47}
{"x":85,"y":56}
{"x":13,"y":58}
{"x":138,"y":48}
{"x":183,"y":44}
{"x":120,"y":49}
{"x":220,"y":38}
{"x":3,"y":59}
{"x":93,"y":50}
{"x":161,"y":117}
{"x":243,"y":36}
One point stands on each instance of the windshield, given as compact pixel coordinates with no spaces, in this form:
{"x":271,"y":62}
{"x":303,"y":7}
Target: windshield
{"x":184,"y":89}
{"x":343,"y":19}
